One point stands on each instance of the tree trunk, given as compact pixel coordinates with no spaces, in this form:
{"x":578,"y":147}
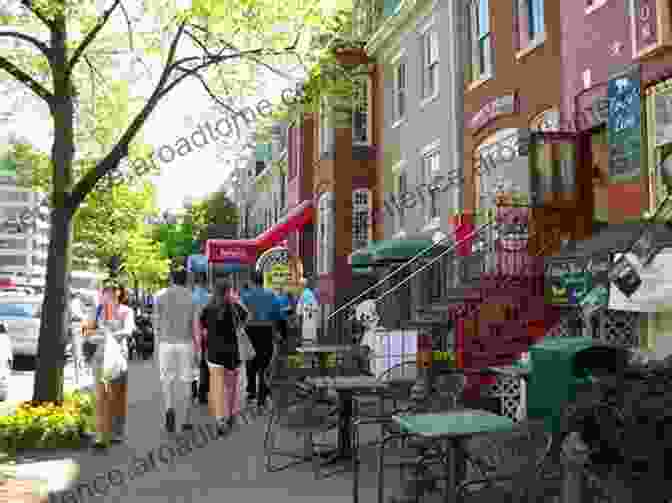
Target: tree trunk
{"x":51,"y":346}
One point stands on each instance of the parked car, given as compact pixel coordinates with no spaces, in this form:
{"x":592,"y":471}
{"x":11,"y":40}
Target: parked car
{"x":6,"y":362}
{"x":21,"y":317}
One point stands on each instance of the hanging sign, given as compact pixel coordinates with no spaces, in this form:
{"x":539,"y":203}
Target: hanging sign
{"x":624,"y":126}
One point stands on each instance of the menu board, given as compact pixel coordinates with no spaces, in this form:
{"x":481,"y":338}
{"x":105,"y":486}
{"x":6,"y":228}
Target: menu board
{"x":624,"y":125}
{"x":570,"y":280}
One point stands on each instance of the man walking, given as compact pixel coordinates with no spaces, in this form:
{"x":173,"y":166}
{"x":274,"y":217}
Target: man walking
{"x":264,"y":312}
{"x":174,"y":314}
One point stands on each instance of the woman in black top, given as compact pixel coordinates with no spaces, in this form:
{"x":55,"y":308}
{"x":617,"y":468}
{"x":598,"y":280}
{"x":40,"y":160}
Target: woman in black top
{"x":220,"y":318}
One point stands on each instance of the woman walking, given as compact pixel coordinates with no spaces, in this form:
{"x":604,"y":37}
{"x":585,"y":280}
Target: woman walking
{"x":105,"y":348}
{"x":223,"y":318}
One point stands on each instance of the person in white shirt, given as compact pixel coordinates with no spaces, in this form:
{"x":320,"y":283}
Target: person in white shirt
{"x":174,"y":314}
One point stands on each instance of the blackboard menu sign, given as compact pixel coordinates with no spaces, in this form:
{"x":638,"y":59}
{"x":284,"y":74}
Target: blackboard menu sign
{"x":624,"y":125}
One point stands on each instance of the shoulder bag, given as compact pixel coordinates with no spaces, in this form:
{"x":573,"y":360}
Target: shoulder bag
{"x":245,"y":347}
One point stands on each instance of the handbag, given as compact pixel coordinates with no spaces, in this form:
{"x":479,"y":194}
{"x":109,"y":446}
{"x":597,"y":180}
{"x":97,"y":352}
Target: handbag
{"x":245,"y":347}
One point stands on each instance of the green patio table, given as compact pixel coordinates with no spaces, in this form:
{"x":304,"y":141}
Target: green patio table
{"x":451,"y":426}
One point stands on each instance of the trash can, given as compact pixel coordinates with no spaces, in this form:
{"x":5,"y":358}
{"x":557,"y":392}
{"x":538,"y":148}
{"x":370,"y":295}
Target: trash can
{"x":559,"y":366}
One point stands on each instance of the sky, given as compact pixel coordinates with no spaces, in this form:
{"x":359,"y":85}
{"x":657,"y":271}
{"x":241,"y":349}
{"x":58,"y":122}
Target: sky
{"x":194,"y":175}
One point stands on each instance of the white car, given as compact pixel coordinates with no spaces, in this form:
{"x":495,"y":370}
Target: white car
{"x":6,"y":360}
{"x":21,"y":317}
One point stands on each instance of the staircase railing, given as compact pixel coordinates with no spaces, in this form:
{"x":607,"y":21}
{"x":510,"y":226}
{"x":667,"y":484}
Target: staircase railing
{"x":465,"y":240}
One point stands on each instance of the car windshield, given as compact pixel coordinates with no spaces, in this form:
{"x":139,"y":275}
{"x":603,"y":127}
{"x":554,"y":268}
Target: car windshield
{"x":19,"y":310}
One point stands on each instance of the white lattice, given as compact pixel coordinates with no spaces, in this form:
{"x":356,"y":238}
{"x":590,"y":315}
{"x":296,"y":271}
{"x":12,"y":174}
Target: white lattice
{"x":510,"y":391}
{"x":620,"y":327}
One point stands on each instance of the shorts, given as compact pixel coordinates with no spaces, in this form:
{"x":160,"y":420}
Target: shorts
{"x":176,"y":361}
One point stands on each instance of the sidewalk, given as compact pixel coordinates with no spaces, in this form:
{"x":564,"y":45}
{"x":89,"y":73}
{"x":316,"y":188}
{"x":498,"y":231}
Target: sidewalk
{"x":224,"y":469}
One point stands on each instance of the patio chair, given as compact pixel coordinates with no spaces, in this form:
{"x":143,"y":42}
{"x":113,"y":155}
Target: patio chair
{"x":296,"y":408}
{"x":512,"y":465}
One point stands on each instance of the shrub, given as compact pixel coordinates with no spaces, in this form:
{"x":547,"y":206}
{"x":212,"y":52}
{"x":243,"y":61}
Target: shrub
{"x":48,"y":425}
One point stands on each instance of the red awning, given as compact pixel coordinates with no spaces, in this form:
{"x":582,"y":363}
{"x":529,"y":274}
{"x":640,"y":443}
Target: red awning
{"x":244,"y":251}
{"x":231,"y":251}
{"x":295,"y":219}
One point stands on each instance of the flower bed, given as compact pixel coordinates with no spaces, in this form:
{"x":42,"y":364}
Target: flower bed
{"x":48,"y":425}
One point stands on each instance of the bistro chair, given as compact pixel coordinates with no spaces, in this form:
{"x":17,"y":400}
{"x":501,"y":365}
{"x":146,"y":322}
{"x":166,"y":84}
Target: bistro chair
{"x":296,"y":407}
{"x":511,"y":465}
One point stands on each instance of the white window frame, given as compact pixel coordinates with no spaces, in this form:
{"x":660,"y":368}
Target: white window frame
{"x":360,"y":108}
{"x":429,"y":46}
{"x":430,"y":167}
{"x":361,"y":215}
{"x":529,"y":9}
{"x":325,"y":126}
{"x":325,"y":233}
{"x":399,"y":91}
{"x":399,"y":170}
{"x":487,"y":71}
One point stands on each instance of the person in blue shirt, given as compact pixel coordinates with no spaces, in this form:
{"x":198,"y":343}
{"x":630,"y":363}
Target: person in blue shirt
{"x":286,"y":311}
{"x":264,"y":312}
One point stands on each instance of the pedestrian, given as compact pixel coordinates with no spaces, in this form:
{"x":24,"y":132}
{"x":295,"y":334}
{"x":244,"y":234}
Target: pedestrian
{"x":286,"y":304}
{"x":174,"y":313}
{"x":114,"y":323}
{"x":264,"y":313}
{"x":222,"y":319}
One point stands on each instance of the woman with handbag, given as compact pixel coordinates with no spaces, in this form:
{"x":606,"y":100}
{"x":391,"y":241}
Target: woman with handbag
{"x":224,"y":319}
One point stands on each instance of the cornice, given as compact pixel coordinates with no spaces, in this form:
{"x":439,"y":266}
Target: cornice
{"x":389,"y":26}
{"x":408,"y":10}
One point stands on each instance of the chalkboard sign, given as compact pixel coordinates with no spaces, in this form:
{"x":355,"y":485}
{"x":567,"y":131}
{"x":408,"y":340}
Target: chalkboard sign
{"x":624,"y":125}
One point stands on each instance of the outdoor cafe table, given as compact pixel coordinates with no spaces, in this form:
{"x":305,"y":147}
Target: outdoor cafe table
{"x":451,"y":426}
{"x":347,"y":387}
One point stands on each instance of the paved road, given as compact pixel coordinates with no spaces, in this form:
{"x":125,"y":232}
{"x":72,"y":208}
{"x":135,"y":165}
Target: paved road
{"x":229,"y":469}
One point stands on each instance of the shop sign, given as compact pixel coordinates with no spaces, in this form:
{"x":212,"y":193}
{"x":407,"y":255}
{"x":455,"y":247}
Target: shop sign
{"x":277,"y":278}
{"x":504,"y":105}
{"x":570,"y":282}
{"x":644,"y":25}
{"x":624,"y":125}
{"x":230,"y":254}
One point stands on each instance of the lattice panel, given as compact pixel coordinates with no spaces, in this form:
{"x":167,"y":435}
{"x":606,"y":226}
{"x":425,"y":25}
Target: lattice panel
{"x":508,"y":390}
{"x":564,"y":327}
{"x":620,"y":327}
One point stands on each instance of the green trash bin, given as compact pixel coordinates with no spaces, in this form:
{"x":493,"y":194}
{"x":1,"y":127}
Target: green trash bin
{"x":555,"y":377}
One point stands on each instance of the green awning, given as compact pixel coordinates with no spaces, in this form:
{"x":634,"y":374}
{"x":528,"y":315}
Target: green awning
{"x":390,"y":251}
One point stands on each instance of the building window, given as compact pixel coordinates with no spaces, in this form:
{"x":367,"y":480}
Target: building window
{"x":430,"y":63}
{"x":400,"y":90}
{"x":14,"y":260}
{"x":481,"y":40}
{"x":361,"y":218}
{"x":7,"y":196}
{"x":403,"y":189}
{"x":325,"y":233}
{"x":325,"y":127}
{"x":530,"y":18}
{"x":431,"y":177}
{"x":360,"y":112}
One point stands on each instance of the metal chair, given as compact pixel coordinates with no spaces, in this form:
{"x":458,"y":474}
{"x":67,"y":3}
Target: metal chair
{"x":297,"y":408}
{"x":512,"y":465}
